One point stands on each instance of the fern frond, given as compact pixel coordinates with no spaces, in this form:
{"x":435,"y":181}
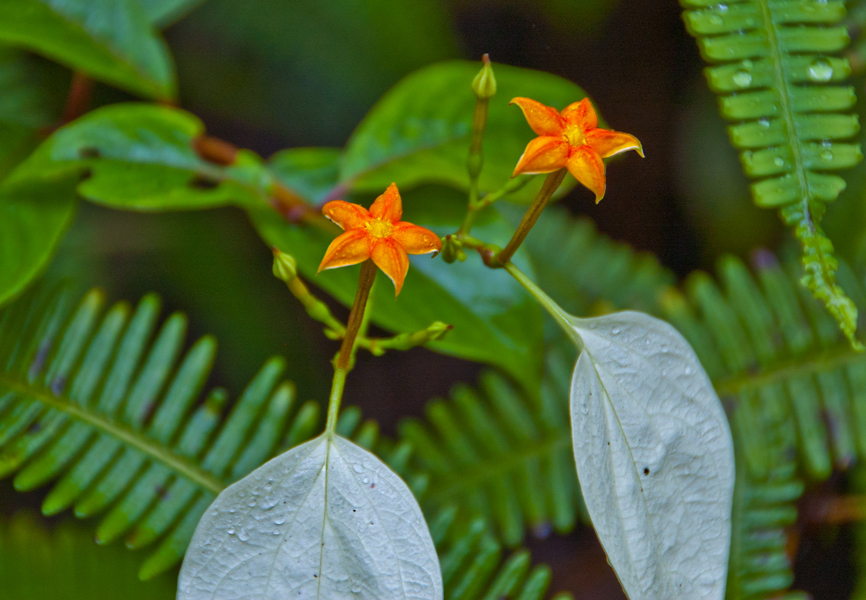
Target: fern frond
{"x":765,"y":507}
{"x":106,"y":403}
{"x":777,"y":79}
{"x":473,"y":567}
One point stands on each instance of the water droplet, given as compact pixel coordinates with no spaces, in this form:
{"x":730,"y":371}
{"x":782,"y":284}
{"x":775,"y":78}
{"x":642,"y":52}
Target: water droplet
{"x":280,"y":520}
{"x":232,"y":511}
{"x":820,"y":70}
{"x":366,"y":480}
{"x":715,"y":20}
{"x":664,"y":373}
{"x":664,"y":348}
{"x":826,"y":155}
{"x":779,"y":161}
{"x":356,"y":588}
{"x":742,"y":78}
{"x":269,"y":502}
{"x":688,"y":370}
{"x":648,"y":341}
{"x":251,"y":503}
{"x":276,"y":532}
{"x":243,"y":535}
{"x":615,"y":331}
{"x":214,"y":512}
{"x":765,"y":123}
{"x":358,"y":468}
{"x":722,"y":8}
{"x":592,"y":325}
{"x":230,"y":531}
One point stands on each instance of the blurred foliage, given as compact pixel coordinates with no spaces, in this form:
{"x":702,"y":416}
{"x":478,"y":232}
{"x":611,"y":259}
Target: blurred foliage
{"x":62,"y":562}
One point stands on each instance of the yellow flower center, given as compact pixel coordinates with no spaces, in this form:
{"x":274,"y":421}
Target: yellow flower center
{"x":574,"y":135}
{"x":379,"y":229}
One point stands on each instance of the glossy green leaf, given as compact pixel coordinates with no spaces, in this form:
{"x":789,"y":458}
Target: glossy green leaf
{"x":33,"y":218}
{"x":141,"y":157}
{"x":654,"y":456}
{"x":109,"y":40}
{"x":494,"y":321}
{"x":325,"y":520}
{"x":419,"y":131}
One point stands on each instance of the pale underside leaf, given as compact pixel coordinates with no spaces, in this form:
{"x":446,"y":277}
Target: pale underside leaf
{"x":326,"y":520}
{"x":654,"y":457}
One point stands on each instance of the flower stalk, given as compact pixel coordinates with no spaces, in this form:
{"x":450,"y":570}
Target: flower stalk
{"x":551,"y":184}
{"x":343,"y":361}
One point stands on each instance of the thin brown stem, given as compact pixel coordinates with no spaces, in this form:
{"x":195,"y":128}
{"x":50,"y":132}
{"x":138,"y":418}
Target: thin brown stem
{"x":551,"y":184}
{"x":356,"y":316}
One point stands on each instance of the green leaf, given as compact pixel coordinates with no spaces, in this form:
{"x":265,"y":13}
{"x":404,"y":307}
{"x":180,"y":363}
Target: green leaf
{"x":141,"y":157}
{"x":165,"y":12}
{"x":33,"y":218}
{"x":654,"y":456}
{"x":419,"y":131}
{"x":326,"y":519}
{"x":779,"y":86}
{"x":494,"y":320}
{"x":109,"y":40}
{"x":30,"y":102}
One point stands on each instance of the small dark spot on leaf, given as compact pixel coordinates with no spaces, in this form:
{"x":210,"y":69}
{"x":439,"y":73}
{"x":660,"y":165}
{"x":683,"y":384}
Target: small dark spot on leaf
{"x":372,"y":485}
{"x":203,"y":182}
{"x":34,"y":427}
{"x":646,"y":470}
{"x":161,"y":491}
{"x":89,"y":152}
{"x":58,"y":384}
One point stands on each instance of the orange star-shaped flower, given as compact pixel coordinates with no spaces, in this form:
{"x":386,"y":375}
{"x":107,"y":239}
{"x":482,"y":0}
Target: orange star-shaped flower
{"x":377,"y":233}
{"x":570,"y":139}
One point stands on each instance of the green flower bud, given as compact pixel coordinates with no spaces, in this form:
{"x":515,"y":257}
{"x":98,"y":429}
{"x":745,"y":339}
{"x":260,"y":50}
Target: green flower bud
{"x":484,"y":84}
{"x":285,"y":267}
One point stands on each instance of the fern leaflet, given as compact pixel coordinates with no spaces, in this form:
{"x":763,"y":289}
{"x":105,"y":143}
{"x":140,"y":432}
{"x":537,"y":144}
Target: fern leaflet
{"x":774,"y":73}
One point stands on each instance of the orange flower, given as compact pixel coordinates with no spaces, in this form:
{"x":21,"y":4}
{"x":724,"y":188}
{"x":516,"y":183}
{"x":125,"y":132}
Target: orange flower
{"x":570,"y":139}
{"x":377,"y":233}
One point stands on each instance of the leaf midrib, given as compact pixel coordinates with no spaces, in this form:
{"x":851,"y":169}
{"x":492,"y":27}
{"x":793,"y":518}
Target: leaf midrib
{"x":126,"y":435}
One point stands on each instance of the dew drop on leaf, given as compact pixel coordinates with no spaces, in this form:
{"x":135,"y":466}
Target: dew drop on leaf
{"x":820,"y":70}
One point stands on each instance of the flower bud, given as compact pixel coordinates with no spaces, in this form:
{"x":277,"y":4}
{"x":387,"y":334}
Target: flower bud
{"x":285,"y":267}
{"x":484,"y":84}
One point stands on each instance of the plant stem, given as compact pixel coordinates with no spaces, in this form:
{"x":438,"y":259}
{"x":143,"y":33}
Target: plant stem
{"x":551,"y":184}
{"x":342,"y":365}
{"x":562,"y":318}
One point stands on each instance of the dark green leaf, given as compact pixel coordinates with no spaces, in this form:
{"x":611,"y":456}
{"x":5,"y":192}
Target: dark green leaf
{"x":33,"y":217}
{"x":29,"y":103}
{"x":494,"y":320}
{"x":141,"y":157}
{"x":165,"y":12}
{"x":419,"y":131}
{"x":109,"y":40}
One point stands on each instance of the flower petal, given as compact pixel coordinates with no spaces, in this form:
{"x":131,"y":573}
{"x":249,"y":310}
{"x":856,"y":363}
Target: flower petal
{"x":581,"y":113}
{"x":544,"y":120}
{"x":393,"y":260}
{"x":588,"y":168}
{"x":415,"y":239}
{"x":346,"y":214}
{"x":388,"y":206}
{"x":349,"y":248}
{"x":607,"y":143}
{"x":542,"y":155}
